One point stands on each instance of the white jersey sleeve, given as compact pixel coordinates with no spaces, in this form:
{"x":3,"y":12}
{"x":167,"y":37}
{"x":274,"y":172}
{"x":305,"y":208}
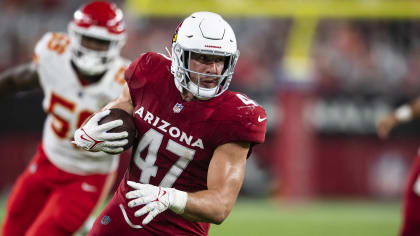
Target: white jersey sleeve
{"x":68,"y":103}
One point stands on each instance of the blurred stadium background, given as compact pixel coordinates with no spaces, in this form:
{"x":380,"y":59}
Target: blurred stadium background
{"x":324,"y":70}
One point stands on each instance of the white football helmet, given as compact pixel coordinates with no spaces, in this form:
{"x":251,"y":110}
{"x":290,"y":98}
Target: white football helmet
{"x":100,"y":20}
{"x":203,"y":33}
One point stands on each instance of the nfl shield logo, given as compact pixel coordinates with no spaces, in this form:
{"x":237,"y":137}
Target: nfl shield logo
{"x":178,"y":107}
{"x":105,"y":220}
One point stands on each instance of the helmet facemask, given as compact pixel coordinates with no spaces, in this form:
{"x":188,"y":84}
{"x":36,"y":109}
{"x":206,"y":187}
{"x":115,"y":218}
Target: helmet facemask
{"x":183,"y":73}
{"x":203,"y":33}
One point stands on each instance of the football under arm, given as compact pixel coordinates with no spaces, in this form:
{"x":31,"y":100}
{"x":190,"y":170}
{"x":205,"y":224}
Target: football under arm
{"x":224,"y":180}
{"x":20,"y":78}
{"x":94,"y":137}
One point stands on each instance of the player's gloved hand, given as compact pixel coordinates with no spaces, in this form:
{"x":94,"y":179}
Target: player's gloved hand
{"x":157,"y":200}
{"x":94,"y":137}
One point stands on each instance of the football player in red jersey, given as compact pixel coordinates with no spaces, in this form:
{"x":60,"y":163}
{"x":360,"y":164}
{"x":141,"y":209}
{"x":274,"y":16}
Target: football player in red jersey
{"x":411,"y":209}
{"x":194,"y":135}
{"x":79,"y":73}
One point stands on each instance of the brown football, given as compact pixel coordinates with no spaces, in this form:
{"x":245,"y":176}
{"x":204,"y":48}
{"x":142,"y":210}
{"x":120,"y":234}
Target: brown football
{"x":128,"y":124}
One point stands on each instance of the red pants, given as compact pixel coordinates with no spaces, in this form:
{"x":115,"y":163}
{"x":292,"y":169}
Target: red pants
{"x":48,"y":201}
{"x":411,"y":211}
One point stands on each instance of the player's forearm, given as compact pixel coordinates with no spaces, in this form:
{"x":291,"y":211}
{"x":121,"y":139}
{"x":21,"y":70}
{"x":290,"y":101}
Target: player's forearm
{"x":224,"y":180}
{"x":20,"y":78}
{"x":208,"y":206}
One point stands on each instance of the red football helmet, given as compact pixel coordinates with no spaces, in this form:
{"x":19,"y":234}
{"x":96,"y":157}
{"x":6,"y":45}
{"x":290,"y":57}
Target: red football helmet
{"x":99,"y":20}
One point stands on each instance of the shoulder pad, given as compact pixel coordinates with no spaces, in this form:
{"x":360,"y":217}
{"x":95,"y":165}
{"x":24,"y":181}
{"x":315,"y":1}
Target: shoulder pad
{"x":52,"y":43}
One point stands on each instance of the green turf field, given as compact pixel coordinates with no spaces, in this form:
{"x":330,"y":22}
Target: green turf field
{"x":260,"y":218}
{"x":344,"y":218}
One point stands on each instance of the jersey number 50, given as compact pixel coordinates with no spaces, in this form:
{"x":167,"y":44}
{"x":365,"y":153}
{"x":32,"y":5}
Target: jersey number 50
{"x":60,"y":125}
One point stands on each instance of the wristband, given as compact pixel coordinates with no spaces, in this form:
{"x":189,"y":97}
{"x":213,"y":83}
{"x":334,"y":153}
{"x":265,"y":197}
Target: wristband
{"x":404,"y":113}
{"x":179,"y":201}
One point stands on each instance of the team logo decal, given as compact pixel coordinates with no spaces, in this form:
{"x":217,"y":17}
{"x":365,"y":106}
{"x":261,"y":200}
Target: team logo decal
{"x":175,"y":37}
{"x":105,"y":220}
{"x":178,"y":108}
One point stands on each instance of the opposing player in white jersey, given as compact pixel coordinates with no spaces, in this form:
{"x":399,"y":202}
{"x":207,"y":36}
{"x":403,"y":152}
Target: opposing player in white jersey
{"x":79,"y":72}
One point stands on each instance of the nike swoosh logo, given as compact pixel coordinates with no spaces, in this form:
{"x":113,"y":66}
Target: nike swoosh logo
{"x":261,"y":119}
{"x":82,"y":136}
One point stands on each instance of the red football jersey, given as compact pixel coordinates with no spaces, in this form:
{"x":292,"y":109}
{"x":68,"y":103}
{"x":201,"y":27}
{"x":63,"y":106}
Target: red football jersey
{"x":177,"y":138}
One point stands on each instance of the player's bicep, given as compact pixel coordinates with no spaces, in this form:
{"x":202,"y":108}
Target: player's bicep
{"x":21,"y":78}
{"x":122,"y":102}
{"x":29,"y":76}
{"x":227,"y":170}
